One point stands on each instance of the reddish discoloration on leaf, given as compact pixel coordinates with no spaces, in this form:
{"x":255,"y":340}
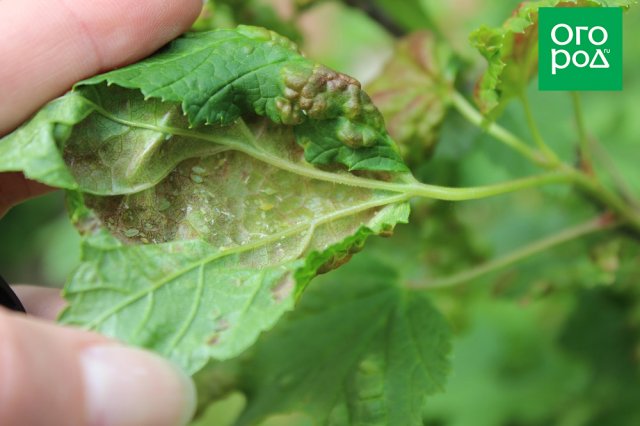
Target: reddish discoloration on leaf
{"x":413,"y":92}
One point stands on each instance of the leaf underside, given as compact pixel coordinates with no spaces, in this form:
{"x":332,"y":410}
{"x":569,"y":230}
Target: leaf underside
{"x":193,"y":178}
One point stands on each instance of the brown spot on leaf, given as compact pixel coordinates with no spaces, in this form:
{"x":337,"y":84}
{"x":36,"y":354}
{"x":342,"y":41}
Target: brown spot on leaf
{"x":213,"y":340}
{"x":283,"y":289}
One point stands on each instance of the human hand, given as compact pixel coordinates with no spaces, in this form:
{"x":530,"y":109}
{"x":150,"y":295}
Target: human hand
{"x":53,"y":375}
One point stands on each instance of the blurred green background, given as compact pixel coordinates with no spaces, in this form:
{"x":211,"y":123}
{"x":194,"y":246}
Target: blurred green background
{"x":552,"y":341}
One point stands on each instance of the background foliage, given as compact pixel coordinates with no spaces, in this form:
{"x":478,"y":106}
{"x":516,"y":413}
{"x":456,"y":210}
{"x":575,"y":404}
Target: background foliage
{"x":552,"y":340}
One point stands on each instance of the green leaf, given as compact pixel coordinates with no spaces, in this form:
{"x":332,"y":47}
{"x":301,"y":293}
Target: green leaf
{"x":34,"y":148}
{"x":359,"y":349}
{"x":413,"y":93}
{"x":512,"y":52}
{"x":202,"y":221}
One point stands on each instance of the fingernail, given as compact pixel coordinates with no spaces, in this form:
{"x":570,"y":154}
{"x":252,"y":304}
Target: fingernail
{"x":125,"y":386}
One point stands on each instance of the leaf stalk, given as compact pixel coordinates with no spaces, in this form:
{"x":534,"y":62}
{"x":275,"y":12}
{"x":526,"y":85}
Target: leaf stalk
{"x":550,"y":155}
{"x":586,"y":159}
{"x":501,"y":134}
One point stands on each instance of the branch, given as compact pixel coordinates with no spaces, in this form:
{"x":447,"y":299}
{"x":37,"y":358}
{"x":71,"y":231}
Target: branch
{"x":595,"y":225}
{"x":377,"y":14}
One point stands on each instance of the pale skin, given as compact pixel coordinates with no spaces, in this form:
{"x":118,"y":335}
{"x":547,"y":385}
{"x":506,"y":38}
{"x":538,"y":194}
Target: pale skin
{"x":54,"y":375}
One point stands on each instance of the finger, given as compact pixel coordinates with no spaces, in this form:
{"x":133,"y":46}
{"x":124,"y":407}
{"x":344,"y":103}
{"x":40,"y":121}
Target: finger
{"x":53,"y":375}
{"x":15,"y":188}
{"x":42,"y":302}
{"x":46,"y":46}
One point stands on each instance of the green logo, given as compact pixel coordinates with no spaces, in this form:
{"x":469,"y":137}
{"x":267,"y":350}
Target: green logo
{"x":580,"y":48}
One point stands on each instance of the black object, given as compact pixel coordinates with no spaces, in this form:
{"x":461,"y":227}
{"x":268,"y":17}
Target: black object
{"x":8,"y":298}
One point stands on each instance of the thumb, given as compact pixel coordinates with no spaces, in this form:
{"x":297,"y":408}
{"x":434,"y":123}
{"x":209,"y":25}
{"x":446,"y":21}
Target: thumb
{"x":53,"y":375}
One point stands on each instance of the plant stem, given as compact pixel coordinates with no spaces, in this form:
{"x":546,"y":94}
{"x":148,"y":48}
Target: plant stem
{"x":584,"y":181}
{"x":378,"y":15}
{"x":498,"y":132}
{"x":619,"y":181}
{"x":607,"y":198}
{"x":551,"y":156}
{"x":586,"y":159}
{"x":573,"y":233}
{"x":473,"y":193}
{"x":587,"y":146}
{"x":413,"y":188}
